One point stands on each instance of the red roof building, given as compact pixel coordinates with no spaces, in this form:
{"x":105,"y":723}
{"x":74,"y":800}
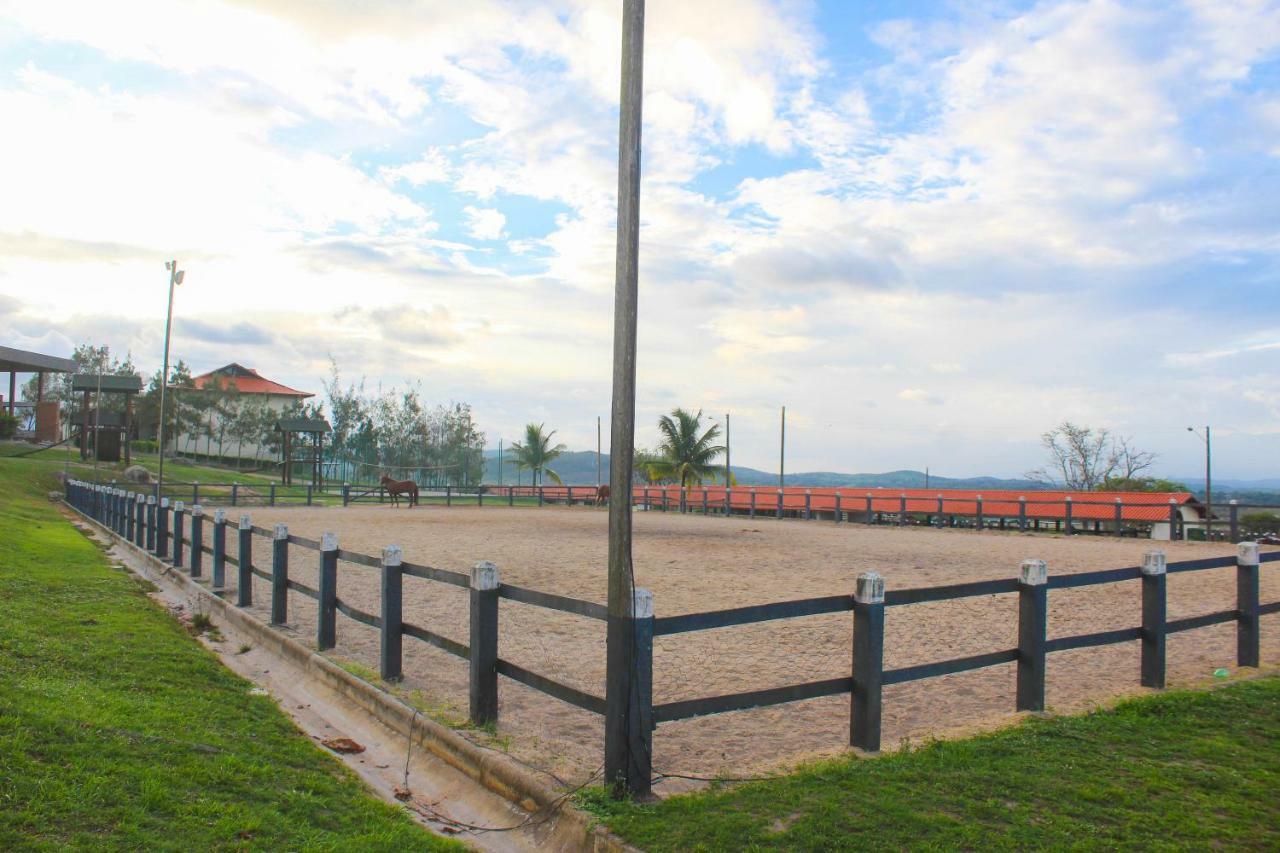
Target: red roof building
{"x":246,"y":380}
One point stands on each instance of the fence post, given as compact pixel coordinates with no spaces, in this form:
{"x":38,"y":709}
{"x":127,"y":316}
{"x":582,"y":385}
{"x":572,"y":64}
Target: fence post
{"x":122,"y":511}
{"x":219,"y":549}
{"x":151,"y":523}
{"x":541,"y":497}
{"x":280,"y":575}
{"x":197,"y":540}
{"x":140,"y":520}
{"x":942,"y":521}
{"x":1173,"y":520}
{"x":629,"y":728}
{"x":978,"y":514}
{"x":808,"y":498}
{"x":244,"y":572}
{"x":646,"y":498}
{"x":1248,"y":637}
{"x":484,"y":643}
{"x":479,"y":495}
{"x":1022,"y":513}
{"x":902,"y":510}
{"x":871,"y":519}
{"x":272,"y":495}
{"x":130,"y":516}
{"x":839,"y":511}
{"x":728,"y":500}
{"x":179,"y":513}
{"x":195,"y":492}
{"x":704,"y":500}
{"x":1234,"y":507}
{"x":390,"y":658}
{"x":309,"y":487}
{"x":779,"y":503}
{"x":511,"y":495}
{"x":162,"y":529}
{"x":448,"y":495}
{"x":346,"y":494}
{"x":235,"y":493}
{"x":1154,"y":610}
{"x":1033,"y":612}
{"x":1119,"y":518}
{"x":327,"y":594}
{"x":752,"y":513}
{"x":1067,"y":512}
{"x":868,"y":662}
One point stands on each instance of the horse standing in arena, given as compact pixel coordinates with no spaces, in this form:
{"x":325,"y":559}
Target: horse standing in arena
{"x":602,"y":495}
{"x":395,"y":488}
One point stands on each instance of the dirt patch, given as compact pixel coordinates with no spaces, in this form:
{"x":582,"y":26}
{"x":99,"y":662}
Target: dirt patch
{"x":692,"y":564}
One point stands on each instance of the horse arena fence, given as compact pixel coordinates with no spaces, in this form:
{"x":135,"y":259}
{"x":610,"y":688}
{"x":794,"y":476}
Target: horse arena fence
{"x":1027,"y":513}
{"x":175,"y":532}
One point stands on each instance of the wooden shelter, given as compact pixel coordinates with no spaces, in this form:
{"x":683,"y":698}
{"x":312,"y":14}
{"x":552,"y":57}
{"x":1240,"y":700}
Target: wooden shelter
{"x":17,"y":361}
{"x":110,"y":430}
{"x":302,"y":443}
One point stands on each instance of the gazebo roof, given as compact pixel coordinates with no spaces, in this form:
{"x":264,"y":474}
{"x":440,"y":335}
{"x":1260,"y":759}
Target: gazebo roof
{"x":303,"y":425}
{"x":127,"y":384}
{"x":22,"y":361}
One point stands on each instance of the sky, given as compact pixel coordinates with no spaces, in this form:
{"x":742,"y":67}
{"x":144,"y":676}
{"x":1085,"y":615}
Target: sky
{"x":932,"y":231}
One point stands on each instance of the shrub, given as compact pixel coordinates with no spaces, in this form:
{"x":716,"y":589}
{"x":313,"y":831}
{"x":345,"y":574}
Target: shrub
{"x":145,"y":446}
{"x":8,"y":426}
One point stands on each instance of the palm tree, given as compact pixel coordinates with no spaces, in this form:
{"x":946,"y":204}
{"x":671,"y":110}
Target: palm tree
{"x":685,"y":454}
{"x":537,"y":451}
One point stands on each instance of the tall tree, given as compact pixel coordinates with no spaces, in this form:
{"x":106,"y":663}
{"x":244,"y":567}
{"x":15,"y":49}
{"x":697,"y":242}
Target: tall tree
{"x":536,"y":451}
{"x":687,"y":453}
{"x":1083,"y":458}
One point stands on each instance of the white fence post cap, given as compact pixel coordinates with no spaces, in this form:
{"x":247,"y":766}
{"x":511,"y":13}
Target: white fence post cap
{"x":1247,"y":554}
{"x":328,"y":541}
{"x":870,"y":589}
{"x":642,"y":604}
{"x":392,"y":555}
{"x":197,"y":510}
{"x":282,"y":531}
{"x":1153,"y":563}
{"x":164,"y":502}
{"x":1035,"y":572}
{"x":245,"y":523}
{"x":151,"y":499}
{"x":484,"y":576}
{"x":178,"y":506}
{"x":219,"y":516}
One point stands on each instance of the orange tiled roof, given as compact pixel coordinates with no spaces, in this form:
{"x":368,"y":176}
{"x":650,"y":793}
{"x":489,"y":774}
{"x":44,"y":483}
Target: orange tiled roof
{"x":247,"y":381}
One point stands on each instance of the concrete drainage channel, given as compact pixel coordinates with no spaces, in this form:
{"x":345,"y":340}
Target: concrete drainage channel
{"x":454,"y":787}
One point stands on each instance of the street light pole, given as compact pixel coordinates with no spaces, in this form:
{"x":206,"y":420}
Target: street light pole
{"x":1207,"y":438}
{"x":175,"y":278}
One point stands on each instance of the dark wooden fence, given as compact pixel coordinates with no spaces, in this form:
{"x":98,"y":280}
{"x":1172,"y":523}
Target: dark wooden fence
{"x":162,"y":529}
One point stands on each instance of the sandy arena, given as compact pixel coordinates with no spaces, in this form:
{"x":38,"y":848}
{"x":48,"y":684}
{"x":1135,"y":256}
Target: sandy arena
{"x":694,"y":563}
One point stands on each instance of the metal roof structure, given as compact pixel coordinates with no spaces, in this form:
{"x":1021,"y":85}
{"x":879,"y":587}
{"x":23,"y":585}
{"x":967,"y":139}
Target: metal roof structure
{"x":23,"y":361}
{"x":128,"y":384}
{"x":303,"y":425}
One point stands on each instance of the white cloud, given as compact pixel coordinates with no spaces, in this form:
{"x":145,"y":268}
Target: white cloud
{"x":485,"y":223}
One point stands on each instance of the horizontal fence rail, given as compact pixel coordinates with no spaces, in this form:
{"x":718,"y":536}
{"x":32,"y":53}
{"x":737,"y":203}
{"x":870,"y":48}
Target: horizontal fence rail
{"x":183,"y":535}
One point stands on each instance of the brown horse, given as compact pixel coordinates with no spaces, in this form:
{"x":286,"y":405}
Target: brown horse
{"x":602,"y":495}
{"x":395,"y":488}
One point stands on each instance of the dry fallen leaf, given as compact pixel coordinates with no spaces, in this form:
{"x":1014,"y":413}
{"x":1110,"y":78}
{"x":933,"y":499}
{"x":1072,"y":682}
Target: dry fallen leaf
{"x":342,"y":744}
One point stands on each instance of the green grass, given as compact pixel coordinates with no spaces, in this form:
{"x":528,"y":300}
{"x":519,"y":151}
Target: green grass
{"x":1174,"y":771}
{"x":119,"y":731}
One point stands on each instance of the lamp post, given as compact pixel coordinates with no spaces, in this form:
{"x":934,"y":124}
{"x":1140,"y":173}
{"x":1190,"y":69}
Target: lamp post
{"x":1207,"y":438}
{"x":175,"y":278}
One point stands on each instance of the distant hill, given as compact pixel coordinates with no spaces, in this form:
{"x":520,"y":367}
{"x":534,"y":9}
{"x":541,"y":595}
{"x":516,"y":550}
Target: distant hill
{"x":579,"y":468}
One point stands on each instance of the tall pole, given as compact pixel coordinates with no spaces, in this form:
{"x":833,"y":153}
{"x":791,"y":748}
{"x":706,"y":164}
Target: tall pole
{"x":164,"y":373}
{"x":728,"y":460}
{"x":599,"y":447}
{"x":782,"y":453}
{"x":625,"y":770}
{"x":1208,"y":484}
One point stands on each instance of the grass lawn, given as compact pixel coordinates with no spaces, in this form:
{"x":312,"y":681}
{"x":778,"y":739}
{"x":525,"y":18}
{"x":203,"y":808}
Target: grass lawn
{"x":119,"y":731}
{"x":1173,"y":771}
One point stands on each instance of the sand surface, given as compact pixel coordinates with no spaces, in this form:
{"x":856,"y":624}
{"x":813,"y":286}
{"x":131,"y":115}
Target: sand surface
{"x":693,"y":563}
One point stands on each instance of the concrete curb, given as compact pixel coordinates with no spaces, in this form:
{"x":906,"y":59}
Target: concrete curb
{"x":491,"y":769}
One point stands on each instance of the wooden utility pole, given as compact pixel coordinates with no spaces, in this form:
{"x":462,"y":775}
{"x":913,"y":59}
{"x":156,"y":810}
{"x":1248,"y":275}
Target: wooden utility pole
{"x":782,"y":453}
{"x":627,"y":727}
{"x":728,"y":460}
